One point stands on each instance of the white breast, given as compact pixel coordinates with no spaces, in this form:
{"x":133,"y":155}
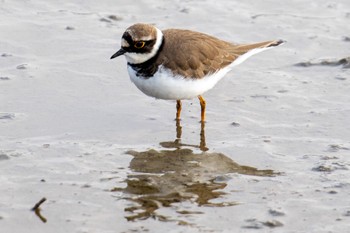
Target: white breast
{"x":164,"y":85}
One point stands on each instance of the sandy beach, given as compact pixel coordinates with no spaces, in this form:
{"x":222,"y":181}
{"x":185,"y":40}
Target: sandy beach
{"x":273,"y":156}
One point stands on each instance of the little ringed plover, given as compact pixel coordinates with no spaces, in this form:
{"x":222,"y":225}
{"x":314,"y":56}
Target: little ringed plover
{"x":176,"y":64}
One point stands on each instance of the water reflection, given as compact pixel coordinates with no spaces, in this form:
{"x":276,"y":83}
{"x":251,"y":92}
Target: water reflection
{"x":177,"y":143}
{"x":177,"y":174}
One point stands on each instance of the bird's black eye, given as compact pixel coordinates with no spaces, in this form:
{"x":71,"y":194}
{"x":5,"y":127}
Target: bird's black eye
{"x":139,"y":44}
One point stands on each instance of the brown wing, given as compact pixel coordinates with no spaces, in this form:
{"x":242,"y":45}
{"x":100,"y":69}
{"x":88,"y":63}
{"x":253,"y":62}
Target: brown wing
{"x":194,"y":55}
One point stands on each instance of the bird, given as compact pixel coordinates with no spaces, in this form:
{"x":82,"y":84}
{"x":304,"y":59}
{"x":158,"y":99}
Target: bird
{"x":179,"y":64}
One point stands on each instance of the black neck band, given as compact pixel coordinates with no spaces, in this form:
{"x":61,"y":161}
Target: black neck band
{"x":149,"y":67}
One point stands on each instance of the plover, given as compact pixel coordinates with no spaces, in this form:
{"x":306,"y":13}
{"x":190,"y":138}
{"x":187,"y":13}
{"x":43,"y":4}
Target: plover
{"x":177,"y":64}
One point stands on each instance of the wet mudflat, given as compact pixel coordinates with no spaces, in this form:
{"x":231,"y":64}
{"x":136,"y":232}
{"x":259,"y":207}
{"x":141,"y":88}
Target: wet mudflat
{"x":82,"y":150}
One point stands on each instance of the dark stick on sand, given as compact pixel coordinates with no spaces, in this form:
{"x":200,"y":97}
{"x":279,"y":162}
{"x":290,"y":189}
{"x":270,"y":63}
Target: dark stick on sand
{"x":36,"y":209}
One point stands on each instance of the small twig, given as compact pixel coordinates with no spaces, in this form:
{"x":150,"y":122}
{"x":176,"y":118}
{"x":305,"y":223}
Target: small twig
{"x":36,"y":209}
{"x":37,"y":205}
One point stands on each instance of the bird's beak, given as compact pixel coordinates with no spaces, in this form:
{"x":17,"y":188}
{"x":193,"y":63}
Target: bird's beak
{"x":121,"y":51}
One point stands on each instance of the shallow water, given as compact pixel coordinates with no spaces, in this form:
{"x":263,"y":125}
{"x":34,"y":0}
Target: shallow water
{"x":273,"y":155}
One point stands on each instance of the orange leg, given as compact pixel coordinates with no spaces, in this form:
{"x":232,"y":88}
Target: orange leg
{"x":202,"y":102}
{"x":178,"y":109}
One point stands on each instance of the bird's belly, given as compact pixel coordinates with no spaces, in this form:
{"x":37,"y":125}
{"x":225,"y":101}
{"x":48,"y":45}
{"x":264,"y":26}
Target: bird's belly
{"x":164,"y":85}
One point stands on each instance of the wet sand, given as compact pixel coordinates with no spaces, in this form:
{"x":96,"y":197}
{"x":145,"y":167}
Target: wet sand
{"x":273,"y":155}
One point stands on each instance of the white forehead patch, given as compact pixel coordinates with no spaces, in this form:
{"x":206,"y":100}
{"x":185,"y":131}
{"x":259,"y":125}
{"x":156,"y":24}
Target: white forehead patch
{"x":125,"y":43}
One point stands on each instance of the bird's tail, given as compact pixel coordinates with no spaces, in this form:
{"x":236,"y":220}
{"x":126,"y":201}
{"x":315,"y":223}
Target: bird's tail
{"x":244,"y":48}
{"x":244,"y":51}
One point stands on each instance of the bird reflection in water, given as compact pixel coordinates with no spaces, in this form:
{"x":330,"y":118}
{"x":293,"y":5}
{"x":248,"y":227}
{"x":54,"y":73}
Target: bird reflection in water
{"x":178,"y":174}
{"x":177,"y":143}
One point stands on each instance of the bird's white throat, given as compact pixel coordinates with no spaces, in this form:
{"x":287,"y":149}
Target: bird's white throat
{"x":138,"y":58}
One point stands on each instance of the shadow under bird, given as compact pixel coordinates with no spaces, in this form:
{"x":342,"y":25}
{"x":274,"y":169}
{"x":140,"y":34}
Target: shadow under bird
{"x":177,"y":64}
